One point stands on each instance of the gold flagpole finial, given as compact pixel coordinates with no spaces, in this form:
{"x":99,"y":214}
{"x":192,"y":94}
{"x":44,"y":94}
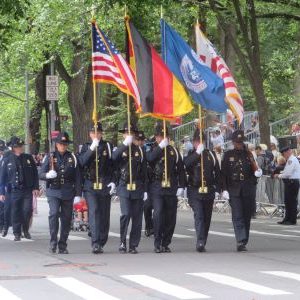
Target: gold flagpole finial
{"x":161,"y":12}
{"x":125,"y":10}
{"x":93,"y":12}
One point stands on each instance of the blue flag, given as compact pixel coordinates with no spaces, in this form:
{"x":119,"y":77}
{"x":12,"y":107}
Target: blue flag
{"x":204,"y":86}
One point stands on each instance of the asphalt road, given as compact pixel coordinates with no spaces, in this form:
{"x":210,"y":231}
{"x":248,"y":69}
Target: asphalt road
{"x":269,"y":270}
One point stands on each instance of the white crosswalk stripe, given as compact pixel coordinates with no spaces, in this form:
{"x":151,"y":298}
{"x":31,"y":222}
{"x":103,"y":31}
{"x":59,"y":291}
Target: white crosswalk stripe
{"x":164,"y":287}
{"x":10,"y":237}
{"x":284,"y":274}
{"x":292,"y":230}
{"x":7,"y":295}
{"x":273,"y":234}
{"x":81,"y":289}
{"x":76,"y":238}
{"x":240,"y":284}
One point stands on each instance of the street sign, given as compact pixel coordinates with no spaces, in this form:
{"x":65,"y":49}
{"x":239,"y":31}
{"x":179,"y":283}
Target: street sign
{"x":51,"y":88}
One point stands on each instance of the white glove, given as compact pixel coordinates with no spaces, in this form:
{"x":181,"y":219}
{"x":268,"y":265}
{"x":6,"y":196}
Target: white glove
{"x":258,"y":173}
{"x":145,"y":196}
{"x":225,"y":195}
{"x":164,"y":143}
{"x":128,"y":140}
{"x":94,"y":145}
{"x":112,"y":187}
{"x":217,"y":195}
{"x":200,"y":149}
{"x":180,"y":192}
{"x":51,"y":174}
{"x":77,"y":199}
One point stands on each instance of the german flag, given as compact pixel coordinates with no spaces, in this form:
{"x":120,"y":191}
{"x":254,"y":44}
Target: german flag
{"x":161,"y":93}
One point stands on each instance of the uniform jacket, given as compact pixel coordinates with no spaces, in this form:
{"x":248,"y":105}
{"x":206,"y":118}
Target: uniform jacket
{"x":18,"y":172}
{"x":175,"y":168}
{"x":139,"y":170}
{"x":68,"y":182}
{"x":87,"y":161}
{"x":211,"y":170}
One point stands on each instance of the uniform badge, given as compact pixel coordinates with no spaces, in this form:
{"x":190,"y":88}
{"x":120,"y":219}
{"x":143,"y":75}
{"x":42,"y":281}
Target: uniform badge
{"x":70,"y":160}
{"x":104,"y":153}
{"x":171,"y":152}
{"x":28,"y":161}
{"x":136,"y":154}
{"x":124,"y":154}
{"x":231,"y":158}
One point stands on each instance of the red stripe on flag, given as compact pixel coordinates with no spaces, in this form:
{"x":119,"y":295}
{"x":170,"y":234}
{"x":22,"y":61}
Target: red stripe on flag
{"x":203,"y":58}
{"x":214,"y":65}
{"x":162,"y":86}
{"x":101,"y":58}
{"x":229,"y":85}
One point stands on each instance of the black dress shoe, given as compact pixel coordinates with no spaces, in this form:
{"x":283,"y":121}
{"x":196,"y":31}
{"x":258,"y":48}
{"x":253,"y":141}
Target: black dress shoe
{"x":52,"y":250}
{"x":97,"y":249}
{"x":166,"y":250}
{"x":289,"y":223}
{"x":27,"y":235}
{"x":281,"y":222}
{"x":157,"y":250}
{"x":122,"y":248}
{"x":17,"y":238}
{"x":241,"y":248}
{"x":4,"y":233}
{"x":201,"y":248}
{"x":63,"y":251}
{"x":133,"y":250}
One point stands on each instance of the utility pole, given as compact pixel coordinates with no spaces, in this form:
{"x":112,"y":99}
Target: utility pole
{"x":27,"y":114}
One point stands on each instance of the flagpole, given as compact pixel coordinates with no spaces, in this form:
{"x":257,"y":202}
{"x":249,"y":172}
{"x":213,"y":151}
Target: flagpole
{"x":97,"y":184}
{"x":203,"y":188}
{"x":131,"y":185}
{"x":166,"y":181}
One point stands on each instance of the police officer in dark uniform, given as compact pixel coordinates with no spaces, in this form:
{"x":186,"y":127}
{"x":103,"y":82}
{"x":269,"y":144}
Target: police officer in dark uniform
{"x":2,"y":149}
{"x":239,"y":171}
{"x":61,"y":171}
{"x":20,"y":176}
{"x":164,"y":189}
{"x":148,"y":208}
{"x":7,"y":202}
{"x":201,"y":196}
{"x":98,"y":195}
{"x":132,"y":193}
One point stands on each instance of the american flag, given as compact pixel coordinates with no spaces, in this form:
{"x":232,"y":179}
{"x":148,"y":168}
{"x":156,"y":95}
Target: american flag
{"x":109,"y":66}
{"x":207,"y":53}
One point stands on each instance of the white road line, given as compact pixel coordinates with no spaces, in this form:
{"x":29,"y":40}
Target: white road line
{"x":221,"y":233}
{"x":240,"y":284}
{"x":10,"y":237}
{"x":273,"y":234}
{"x":76,"y":238}
{"x":7,"y":295}
{"x":182,"y":236}
{"x":164,"y":287}
{"x":291,"y":230}
{"x":191,"y":229}
{"x":81,"y":289}
{"x":288,"y":275}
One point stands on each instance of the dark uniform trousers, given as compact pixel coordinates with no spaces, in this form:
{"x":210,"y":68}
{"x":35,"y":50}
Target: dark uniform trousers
{"x":131,"y":208}
{"x":291,"y":190}
{"x":21,"y":202}
{"x":242,"y":196}
{"x":59,"y":209}
{"x":99,"y":204}
{"x":1,"y":215}
{"x":7,"y":211}
{"x":202,"y":206}
{"x":164,"y":214}
{"x":148,"y":207}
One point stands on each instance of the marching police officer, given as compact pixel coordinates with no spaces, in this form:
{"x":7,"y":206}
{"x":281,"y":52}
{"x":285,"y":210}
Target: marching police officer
{"x":239,"y":172}
{"x":148,"y":208}
{"x":61,"y":171}
{"x":131,"y":188}
{"x":2,"y":149}
{"x":20,"y":176}
{"x":291,"y":178}
{"x":98,"y":195}
{"x":7,"y":202}
{"x":164,"y":188}
{"x":201,"y":195}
